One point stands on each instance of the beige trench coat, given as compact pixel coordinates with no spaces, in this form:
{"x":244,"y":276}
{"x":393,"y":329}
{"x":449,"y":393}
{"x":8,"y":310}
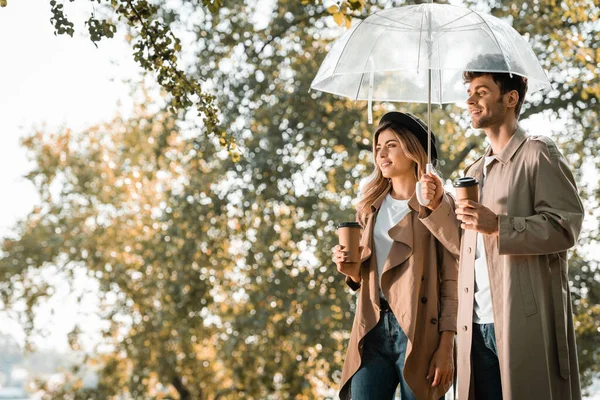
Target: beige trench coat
{"x":419,"y":280}
{"x":540,"y":213}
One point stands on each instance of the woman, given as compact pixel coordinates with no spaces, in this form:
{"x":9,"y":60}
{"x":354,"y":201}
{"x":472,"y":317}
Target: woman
{"x":405,"y":322}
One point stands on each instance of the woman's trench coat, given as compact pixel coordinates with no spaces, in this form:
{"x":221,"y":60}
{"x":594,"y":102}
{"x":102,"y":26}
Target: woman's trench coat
{"x":419,"y":280}
{"x":531,"y":188}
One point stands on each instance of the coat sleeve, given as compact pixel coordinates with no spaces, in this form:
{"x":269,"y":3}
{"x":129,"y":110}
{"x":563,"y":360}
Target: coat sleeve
{"x":558,"y":217}
{"x":443,"y":224}
{"x":448,"y":276}
{"x":355,"y":286}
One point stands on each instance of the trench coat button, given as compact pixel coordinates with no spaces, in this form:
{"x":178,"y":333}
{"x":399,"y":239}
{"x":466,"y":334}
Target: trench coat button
{"x":469,"y":250}
{"x":519,"y":224}
{"x":433,"y":321}
{"x":423,"y":299}
{"x":466,"y":290}
{"x":464,"y":328}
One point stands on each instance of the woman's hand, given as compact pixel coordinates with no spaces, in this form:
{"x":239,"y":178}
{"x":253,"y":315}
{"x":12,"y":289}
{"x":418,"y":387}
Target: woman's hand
{"x":441,"y":366}
{"x":349,"y":269}
{"x":432,"y":189}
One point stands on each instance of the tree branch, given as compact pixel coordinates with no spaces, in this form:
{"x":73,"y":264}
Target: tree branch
{"x":184,"y":393}
{"x":157,"y":49}
{"x":452,"y":165}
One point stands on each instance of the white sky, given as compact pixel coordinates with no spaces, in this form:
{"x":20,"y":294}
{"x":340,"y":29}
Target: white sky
{"x":54,"y":82}
{"x":57,"y":81}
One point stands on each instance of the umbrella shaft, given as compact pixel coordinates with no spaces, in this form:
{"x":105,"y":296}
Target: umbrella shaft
{"x":429,"y":49}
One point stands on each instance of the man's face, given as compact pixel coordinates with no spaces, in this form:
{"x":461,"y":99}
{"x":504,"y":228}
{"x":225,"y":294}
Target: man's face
{"x":486,"y":104}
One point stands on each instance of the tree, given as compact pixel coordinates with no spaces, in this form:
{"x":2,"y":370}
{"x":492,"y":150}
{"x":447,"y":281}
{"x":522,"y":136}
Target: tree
{"x":218,"y":269}
{"x":112,"y":215}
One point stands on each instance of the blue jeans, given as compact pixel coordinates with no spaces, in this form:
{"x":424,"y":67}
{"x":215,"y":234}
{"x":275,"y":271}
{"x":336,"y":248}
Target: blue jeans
{"x":384,"y":350}
{"x":486,"y":367}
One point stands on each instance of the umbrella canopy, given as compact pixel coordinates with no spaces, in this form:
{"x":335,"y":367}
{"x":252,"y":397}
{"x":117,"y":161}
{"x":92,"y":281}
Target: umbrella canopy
{"x":389,"y":55}
{"x":418,"y":53}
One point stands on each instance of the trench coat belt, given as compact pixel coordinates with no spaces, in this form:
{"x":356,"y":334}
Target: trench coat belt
{"x":559,"y":321}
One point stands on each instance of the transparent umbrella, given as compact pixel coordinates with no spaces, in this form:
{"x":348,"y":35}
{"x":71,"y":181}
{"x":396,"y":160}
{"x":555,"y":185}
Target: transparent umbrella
{"x":417,"y":54}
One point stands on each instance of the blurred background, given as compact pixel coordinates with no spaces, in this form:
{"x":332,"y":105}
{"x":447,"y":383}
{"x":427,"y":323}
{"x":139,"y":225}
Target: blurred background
{"x":140,"y":259}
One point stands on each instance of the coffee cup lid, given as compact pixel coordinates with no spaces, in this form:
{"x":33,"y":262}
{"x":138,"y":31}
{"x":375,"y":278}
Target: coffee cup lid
{"x":349,"y":225}
{"x":465,"y":182}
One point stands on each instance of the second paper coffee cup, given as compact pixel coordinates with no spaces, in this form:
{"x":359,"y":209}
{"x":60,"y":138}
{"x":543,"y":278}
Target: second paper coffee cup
{"x":467,"y":188}
{"x":349,"y":239}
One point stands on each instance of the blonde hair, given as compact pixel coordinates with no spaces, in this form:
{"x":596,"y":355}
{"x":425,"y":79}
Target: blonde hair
{"x":376,"y":184}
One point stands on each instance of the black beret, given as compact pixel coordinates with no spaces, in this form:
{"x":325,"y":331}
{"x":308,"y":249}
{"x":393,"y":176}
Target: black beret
{"x":415,"y":126}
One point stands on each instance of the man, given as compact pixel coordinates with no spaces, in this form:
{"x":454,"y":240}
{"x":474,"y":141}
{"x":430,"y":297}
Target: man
{"x":516,"y":338}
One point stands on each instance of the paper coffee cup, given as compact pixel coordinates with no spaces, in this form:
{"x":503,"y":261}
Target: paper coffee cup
{"x":349,"y":239}
{"x":467,"y":188}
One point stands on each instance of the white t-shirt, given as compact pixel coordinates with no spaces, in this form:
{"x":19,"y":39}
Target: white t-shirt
{"x":482,"y":309}
{"x":391,"y":212}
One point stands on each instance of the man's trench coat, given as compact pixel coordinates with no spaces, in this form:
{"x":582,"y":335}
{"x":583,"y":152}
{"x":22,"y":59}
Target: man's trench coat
{"x":530,"y":187}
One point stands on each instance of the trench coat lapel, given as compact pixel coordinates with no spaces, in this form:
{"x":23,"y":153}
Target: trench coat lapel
{"x":366,"y":240}
{"x":476,"y":170}
{"x":403,"y":235}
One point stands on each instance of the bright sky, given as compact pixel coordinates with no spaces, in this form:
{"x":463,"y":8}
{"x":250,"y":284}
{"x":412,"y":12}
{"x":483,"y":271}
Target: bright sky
{"x":54,"y":82}
{"x":50,"y":80}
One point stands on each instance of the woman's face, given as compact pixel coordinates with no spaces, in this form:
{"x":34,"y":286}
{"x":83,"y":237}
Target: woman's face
{"x":390,"y":157}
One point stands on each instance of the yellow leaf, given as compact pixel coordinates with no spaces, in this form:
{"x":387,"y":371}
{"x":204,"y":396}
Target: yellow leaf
{"x":332,"y":9}
{"x":338,"y":18}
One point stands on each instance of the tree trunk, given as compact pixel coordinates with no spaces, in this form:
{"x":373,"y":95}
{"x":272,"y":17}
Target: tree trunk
{"x":184,"y":393}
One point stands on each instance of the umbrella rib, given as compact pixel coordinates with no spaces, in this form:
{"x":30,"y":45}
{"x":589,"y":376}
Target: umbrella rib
{"x":348,"y":41}
{"x":393,"y":21}
{"x":362,"y":76}
{"x":342,"y":52}
{"x":408,"y":28}
{"x":453,"y":30}
{"x":460,"y":28}
{"x":458,"y":19}
{"x":404,"y":28}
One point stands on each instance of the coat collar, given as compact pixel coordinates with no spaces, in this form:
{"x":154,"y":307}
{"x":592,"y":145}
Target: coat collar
{"x":511,"y":147}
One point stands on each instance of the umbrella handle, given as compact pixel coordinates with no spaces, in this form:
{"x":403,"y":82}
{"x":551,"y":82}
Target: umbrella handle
{"x":423,"y":201}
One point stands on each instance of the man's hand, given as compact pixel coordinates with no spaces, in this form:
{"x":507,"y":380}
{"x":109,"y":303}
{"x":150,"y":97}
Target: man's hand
{"x":432,"y":189}
{"x":477,"y":217}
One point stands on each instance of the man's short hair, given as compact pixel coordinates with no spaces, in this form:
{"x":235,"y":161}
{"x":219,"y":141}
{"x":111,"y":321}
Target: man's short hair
{"x":490,"y":62}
